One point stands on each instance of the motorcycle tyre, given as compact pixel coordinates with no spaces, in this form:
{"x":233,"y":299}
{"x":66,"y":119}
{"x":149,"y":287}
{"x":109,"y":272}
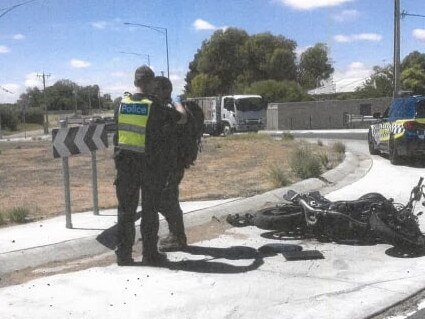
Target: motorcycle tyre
{"x":283,"y":217}
{"x":373,"y":196}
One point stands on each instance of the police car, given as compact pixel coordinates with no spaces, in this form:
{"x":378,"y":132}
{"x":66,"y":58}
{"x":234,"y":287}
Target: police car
{"x":400,"y":131}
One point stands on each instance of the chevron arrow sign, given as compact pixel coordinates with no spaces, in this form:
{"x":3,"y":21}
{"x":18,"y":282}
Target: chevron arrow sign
{"x":79,"y":140}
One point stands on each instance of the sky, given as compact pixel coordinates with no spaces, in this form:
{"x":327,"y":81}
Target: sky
{"x":83,"y":40}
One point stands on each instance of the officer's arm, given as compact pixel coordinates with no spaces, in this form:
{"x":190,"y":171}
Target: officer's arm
{"x":183,"y":115}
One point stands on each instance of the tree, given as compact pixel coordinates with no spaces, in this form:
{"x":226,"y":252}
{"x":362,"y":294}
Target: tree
{"x":266,"y":56}
{"x":231,"y":60}
{"x":413,"y":59}
{"x":220,"y":58}
{"x":205,"y":85}
{"x":379,"y":84}
{"x":413,"y":73}
{"x":413,"y":79}
{"x":314,"y":66}
{"x":278,"y":91}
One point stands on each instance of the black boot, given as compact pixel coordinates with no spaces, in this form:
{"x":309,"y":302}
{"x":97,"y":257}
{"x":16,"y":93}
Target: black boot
{"x":154,"y":259}
{"x":173,"y":242}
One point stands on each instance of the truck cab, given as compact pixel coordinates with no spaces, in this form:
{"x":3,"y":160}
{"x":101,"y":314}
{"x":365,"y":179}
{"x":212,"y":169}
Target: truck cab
{"x":243,"y":113}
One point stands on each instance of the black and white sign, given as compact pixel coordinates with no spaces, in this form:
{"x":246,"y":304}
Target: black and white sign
{"x":79,"y":140}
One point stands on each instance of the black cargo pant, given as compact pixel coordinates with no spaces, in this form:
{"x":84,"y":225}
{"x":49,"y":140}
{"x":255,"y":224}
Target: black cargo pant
{"x":154,"y":181}
{"x":128,"y":184}
{"x":169,"y":203}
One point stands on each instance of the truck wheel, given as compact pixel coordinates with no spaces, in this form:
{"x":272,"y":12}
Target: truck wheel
{"x":395,"y":159}
{"x":226,"y":129}
{"x":372,"y":149}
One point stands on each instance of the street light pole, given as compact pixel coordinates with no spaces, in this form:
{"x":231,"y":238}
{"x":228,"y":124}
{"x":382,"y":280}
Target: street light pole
{"x":160,"y":30}
{"x":396,"y":48}
{"x":139,"y":54}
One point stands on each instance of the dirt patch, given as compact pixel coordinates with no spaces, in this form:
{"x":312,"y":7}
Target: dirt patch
{"x":227,"y":167}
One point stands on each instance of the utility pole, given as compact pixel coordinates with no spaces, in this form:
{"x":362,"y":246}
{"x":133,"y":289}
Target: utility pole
{"x":98,"y":98}
{"x":46,"y":118}
{"x":396,"y":48}
{"x":75,"y":101}
{"x":90,"y":111}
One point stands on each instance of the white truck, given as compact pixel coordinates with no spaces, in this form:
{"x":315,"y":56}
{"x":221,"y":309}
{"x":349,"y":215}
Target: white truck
{"x":232,"y":113}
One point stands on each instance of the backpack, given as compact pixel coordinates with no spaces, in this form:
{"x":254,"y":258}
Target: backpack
{"x":190,"y":134}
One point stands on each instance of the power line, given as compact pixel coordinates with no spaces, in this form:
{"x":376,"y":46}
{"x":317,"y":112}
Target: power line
{"x":8,"y":9}
{"x":404,"y":13}
{"x":6,"y":90}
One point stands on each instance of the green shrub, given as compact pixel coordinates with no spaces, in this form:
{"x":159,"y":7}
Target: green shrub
{"x":287,"y":136}
{"x":2,"y":220}
{"x":9,"y":118}
{"x":18,"y":215}
{"x":339,"y":147}
{"x":305,"y":164}
{"x":278,"y":176}
{"x":324,"y":160}
{"x":34,"y":115}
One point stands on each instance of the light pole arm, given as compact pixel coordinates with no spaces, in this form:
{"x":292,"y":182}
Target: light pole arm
{"x":160,"y":30}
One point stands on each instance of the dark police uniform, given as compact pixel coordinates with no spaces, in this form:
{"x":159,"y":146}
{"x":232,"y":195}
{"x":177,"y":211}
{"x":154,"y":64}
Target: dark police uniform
{"x":169,"y":201}
{"x":142,"y":162}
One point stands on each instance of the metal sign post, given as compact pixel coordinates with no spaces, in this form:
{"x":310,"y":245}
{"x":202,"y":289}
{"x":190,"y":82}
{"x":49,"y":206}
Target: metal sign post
{"x":94,"y":183}
{"x":85,"y":139}
{"x":65,"y":168}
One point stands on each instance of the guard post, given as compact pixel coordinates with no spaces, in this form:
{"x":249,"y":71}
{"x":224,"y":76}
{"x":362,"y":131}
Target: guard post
{"x":84,"y":139}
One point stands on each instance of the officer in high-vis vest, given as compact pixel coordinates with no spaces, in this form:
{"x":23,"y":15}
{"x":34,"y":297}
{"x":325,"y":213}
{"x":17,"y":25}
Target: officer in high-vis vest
{"x":140,"y":118}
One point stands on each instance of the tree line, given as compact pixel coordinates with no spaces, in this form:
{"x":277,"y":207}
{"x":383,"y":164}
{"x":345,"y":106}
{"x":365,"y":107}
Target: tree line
{"x":63,"y":95}
{"x":66,"y":95}
{"x":232,"y":61}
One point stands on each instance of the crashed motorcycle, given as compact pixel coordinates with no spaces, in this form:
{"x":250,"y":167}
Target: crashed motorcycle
{"x":370,"y":219}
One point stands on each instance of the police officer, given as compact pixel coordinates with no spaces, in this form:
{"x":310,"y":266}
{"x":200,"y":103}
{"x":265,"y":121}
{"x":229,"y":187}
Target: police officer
{"x":169,"y":202}
{"x":138,"y":141}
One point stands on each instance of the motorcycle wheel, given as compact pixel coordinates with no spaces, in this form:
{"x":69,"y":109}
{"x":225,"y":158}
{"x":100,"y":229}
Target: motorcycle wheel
{"x":373,"y":196}
{"x":283,"y":217}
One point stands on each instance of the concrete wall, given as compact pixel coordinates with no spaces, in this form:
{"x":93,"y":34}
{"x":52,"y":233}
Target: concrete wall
{"x":321,"y":114}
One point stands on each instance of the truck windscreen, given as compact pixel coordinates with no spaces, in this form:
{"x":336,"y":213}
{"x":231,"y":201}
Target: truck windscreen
{"x":250,"y":104}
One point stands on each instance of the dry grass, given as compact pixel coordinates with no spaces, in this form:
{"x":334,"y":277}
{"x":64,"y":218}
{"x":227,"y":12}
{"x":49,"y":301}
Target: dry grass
{"x":226,"y":167}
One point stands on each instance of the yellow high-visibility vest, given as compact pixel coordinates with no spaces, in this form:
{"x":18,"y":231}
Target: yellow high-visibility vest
{"x":132,"y":118}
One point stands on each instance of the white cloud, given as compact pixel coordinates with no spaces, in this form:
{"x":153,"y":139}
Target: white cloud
{"x":4,"y":49}
{"x":114,"y":24}
{"x":99,"y":24}
{"x":200,"y":24}
{"x":18,"y":36}
{"x":358,"y":37}
{"x":301,"y":50}
{"x":353,"y":76}
{"x":119,"y":74}
{"x":9,"y":92}
{"x":79,"y":64}
{"x":346,"y":15}
{"x":177,"y":78}
{"x":368,"y":37}
{"x":342,"y":38}
{"x":311,"y":4}
{"x":31,"y":80}
{"x":419,"y":34}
